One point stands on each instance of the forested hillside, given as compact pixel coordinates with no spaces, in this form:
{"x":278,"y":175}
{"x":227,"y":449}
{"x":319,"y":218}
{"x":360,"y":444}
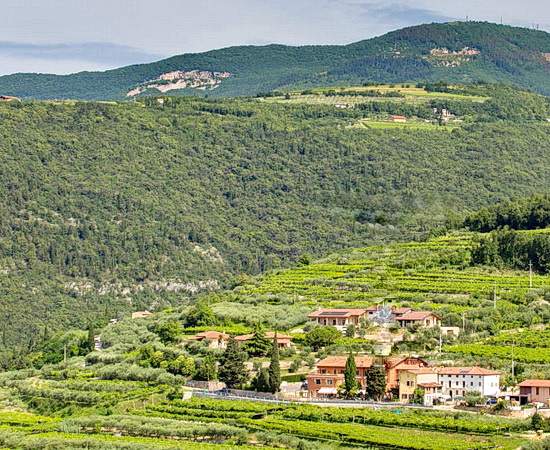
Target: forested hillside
{"x":107,"y":208}
{"x":457,"y":51}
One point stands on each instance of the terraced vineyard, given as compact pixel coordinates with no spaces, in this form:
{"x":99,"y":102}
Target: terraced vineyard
{"x":527,"y":346}
{"x":433,"y":274}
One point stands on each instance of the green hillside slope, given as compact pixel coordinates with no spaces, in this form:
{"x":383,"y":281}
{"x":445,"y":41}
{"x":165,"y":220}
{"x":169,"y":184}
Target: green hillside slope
{"x":107,"y":208}
{"x":502,"y":53}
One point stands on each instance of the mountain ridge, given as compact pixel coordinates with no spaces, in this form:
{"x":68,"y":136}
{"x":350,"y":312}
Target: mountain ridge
{"x":506,"y":54}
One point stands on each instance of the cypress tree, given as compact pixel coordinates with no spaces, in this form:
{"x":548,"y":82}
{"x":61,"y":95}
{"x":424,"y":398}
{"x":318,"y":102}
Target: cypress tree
{"x":232,"y":370}
{"x":275,"y":368}
{"x":261,"y":382}
{"x":351,"y":385}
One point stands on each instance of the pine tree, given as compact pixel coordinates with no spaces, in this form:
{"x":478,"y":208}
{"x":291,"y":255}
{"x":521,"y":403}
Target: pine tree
{"x":232,"y":369}
{"x":259,"y":345}
{"x":351,"y":385}
{"x":375,"y":381}
{"x":275,"y":368}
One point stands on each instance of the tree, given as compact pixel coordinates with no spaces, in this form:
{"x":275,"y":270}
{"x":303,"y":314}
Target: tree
{"x":207,"y":369}
{"x":473,"y":398}
{"x":259,"y":345}
{"x":321,"y":337}
{"x":90,"y":345}
{"x":200,"y":315}
{"x":261,"y":383}
{"x":350,"y":386}
{"x":182,"y":365}
{"x":350,"y":331}
{"x":418,"y":396}
{"x":274,"y":368}
{"x":537,"y":422}
{"x":168,"y":331}
{"x":375,"y":382}
{"x":232,"y":370}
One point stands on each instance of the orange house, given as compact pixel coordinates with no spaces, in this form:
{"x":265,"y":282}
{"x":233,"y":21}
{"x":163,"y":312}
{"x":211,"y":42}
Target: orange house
{"x":426,"y":319}
{"x":329,"y":372}
{"x":339,"y":318}
{"x":214,"y":339}
{"x":531,"y":391}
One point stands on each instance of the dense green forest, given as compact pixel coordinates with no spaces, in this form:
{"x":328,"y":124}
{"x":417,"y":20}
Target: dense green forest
{"x":506,"y":54}
{"x":107,"y":208}
{"x":507,"y":243}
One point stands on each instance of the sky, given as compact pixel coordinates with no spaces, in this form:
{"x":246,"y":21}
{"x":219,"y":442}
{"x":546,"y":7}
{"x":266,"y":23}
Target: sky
{"x":65,"y":36}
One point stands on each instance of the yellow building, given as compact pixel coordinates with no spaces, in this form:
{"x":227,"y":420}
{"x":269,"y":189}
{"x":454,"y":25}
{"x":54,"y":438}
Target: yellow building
{"x":425,"y":378}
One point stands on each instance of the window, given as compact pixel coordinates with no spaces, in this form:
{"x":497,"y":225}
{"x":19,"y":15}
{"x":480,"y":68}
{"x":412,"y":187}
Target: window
{"x":329,"y":381}
{"x":334,"y":321}
{"x":317,"y":381}
{"x":537,"y":391}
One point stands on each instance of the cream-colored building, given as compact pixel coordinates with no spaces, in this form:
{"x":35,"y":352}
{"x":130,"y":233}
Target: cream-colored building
{"x":425,"y":378}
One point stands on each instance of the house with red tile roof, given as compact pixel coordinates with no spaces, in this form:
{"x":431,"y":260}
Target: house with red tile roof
{"x":329,"y":372}
{"x":532,"y":391}
{"x":214,"y":339}
{"x":425,"y":378}
{"x":424,"y":319}
{"x":340,"y":318}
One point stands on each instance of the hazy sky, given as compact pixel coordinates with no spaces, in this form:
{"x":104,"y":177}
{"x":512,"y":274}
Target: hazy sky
{"x":62,"y":36}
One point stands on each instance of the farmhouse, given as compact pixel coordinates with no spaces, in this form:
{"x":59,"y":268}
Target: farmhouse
{"x":456,"y":381}
{"x":397,"y":118}
{"x":532,"y":391}
{"x":215,"y":339}
{"x":329,"y":372}
{"x":425,"y":319}
{"x":283,"y":341}
{"x":339,"y":318}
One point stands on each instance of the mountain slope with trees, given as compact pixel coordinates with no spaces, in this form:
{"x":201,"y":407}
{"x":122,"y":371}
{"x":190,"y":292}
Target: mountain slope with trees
{"x":506,"y":54}
{"x":111,"y":208}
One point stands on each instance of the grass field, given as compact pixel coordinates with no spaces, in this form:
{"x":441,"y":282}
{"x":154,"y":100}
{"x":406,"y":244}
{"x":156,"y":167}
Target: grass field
{"x":415,"y":125}
{"x":411,"y":94}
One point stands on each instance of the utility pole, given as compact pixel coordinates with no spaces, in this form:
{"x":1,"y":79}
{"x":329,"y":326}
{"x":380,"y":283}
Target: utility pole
{"x":463,"y":322}
{"x":513,"y":365}
{"x":440,"y":340}
{"x":495,"y":295}
{"x":530,"y":274}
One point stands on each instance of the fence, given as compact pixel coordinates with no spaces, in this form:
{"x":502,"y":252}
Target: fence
{"x":235,"y":394}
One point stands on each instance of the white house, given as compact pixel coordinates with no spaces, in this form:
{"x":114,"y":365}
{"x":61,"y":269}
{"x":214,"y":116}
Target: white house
{"x":456,"y":381}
